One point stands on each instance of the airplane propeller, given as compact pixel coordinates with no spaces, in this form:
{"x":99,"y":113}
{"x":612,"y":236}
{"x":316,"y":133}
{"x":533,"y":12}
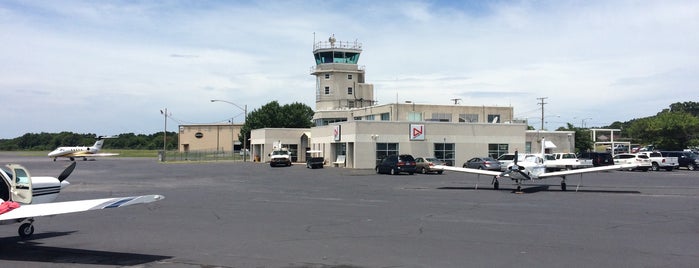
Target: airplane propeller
{"x":66,"y":172}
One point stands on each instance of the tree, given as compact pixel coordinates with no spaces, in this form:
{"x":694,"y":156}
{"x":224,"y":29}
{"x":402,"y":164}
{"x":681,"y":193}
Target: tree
{"x":272,"y":115}
{"x":668,"y":130}
{"x":583,"y":141}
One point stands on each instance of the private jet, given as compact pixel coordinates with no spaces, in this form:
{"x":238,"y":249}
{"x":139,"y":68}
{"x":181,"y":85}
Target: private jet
{"x":23,"y":197}
{"x":530,"y":168}
{"x":81,"y":151}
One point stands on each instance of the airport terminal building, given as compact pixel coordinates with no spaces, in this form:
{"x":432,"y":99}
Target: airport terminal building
{"x":352,"y":131}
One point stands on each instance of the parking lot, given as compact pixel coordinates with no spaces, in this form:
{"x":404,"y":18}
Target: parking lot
{"x":234,"y":214}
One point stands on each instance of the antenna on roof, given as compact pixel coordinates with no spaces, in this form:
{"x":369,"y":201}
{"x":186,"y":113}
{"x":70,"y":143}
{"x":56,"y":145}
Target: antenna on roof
{"x":456,"y":101}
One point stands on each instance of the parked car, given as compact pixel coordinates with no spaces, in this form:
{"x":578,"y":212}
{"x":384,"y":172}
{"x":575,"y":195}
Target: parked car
{"x":487,"y":163}
{"x":685,"y":159}
{"x":396,"y":164}
{"x":598,"y":158}
{"x":641,"y":161}
{"x":425,"y":165}
{"x":505,"y":160}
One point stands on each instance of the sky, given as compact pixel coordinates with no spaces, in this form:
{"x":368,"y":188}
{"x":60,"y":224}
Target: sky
{"x":111,"y":67}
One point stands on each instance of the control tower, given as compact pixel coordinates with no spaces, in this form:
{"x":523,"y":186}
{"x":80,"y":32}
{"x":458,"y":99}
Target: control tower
{"x":339,"y":80}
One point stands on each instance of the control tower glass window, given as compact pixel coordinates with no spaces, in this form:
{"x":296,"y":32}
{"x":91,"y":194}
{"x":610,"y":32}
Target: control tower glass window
{"x":336,"y":57}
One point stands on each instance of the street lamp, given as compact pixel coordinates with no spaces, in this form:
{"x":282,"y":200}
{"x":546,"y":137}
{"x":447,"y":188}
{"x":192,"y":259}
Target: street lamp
{"x":245,"y":140}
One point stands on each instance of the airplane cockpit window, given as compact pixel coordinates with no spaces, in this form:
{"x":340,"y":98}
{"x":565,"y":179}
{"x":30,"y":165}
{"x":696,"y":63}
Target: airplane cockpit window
{"x":7,"y":172}
{"x":22,"y":177}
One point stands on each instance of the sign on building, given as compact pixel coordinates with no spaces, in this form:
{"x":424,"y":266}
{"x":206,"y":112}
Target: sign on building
{"x":417,"y":132}
{"x":337,"y":133}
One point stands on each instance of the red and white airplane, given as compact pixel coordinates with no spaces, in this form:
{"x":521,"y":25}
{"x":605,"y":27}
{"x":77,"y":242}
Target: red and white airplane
{"x":81,"y":151}
{"x":24,"y":197}
{"x":531,"y":167}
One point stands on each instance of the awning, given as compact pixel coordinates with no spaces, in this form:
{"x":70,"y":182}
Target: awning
{"x":549,"y":145}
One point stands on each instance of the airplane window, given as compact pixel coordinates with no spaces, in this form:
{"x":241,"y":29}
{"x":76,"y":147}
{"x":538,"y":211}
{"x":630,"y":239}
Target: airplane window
{"x":22,"y":177}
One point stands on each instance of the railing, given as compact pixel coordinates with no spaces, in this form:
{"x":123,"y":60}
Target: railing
{"x":337,"y":44}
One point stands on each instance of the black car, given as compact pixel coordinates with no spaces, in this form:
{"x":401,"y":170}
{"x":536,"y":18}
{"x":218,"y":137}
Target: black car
{"x":395,"y":164}
{"x":598,"y":158}
{"x":684,"y":158}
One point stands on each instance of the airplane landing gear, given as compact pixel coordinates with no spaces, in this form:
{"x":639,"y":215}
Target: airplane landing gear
{"x":26,"y":229}
{"x":496,"y":183}
{"x":563,"y":186}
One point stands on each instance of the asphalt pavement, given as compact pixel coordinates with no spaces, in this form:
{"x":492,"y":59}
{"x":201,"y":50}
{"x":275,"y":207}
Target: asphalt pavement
{"x":235,"y":214}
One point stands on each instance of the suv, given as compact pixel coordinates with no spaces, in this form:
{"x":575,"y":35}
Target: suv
{"x":395,"y":164}
{"x":641,"y":161}
{"x":686,"y":159}
{"x":598,"y":159}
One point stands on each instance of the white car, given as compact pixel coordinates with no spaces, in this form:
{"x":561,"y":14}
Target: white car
{"x":641,"y":161}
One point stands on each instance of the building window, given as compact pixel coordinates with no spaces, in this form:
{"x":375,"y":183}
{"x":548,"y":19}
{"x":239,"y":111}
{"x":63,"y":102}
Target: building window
{"x":385,"y":117}
{"x":493,"y":118}
{"x":357,"y":118}
{"x":350,"y":104}
{"x":385,"y":149}
{"x":370,"y":117}
{"x":445,"y":152}
{"x":350,"y":91}
{"x":327,"y":76}
{"x":349,"y":77}
{"x":495,"y":150}
{"x":327,"y":90}
{"x":528,"y":147}
{"x":441,"y":117}
{"x":414,"y":116}
{"x":468,"y":118}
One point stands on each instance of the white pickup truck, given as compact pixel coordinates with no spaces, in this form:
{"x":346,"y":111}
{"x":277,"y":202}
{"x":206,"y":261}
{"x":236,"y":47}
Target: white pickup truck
{"x":660,"y":162}
{"x":567,"y":161}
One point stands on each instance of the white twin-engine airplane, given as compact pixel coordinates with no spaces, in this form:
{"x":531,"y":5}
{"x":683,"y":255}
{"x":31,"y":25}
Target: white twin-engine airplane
{"x":81,"y":151}
{"x":531,"y":168}
{"x":29,"y":197}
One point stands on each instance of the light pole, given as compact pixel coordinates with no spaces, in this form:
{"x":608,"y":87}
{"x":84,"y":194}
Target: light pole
{"x":245,"y":140}
{"x":164,"y":112}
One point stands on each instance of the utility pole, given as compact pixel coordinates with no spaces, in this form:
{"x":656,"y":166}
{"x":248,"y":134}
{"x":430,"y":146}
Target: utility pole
{"x":542,"y":110}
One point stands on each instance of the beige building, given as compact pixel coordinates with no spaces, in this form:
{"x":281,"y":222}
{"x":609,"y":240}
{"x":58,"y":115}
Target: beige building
{"x":209,"y":137}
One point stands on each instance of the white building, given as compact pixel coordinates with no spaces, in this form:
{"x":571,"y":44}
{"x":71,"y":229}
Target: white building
{"x":352,"y":128}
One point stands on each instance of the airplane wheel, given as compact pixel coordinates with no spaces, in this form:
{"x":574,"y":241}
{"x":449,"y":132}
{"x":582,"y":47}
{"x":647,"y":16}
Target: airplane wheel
{"x":440,"y":172}
{"x":563,"y":186}
{"x":26,"y":230}
{"x":496,"y":185}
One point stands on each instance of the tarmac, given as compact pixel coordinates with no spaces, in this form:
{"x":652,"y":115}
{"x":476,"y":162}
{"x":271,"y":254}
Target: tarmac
{"x":243,"y":214}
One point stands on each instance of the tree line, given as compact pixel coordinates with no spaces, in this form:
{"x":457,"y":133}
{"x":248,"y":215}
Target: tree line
{"x":49,"y":141}
{"x":674,"y":128}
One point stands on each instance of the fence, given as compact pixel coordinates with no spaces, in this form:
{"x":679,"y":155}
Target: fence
{"x":173,"y":156}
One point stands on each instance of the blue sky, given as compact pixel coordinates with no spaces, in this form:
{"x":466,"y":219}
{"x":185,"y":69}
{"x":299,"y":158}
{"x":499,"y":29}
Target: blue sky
{"x":109,"y":67}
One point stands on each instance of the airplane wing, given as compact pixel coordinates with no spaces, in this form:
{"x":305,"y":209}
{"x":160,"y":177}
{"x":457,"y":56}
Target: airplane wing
{"x":48,"y":209}
{"x":584,"y":170}
{"x":468,"y":170}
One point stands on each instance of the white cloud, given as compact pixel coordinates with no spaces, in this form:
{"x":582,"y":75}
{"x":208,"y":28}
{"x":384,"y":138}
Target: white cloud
{"x":125,"y":61}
